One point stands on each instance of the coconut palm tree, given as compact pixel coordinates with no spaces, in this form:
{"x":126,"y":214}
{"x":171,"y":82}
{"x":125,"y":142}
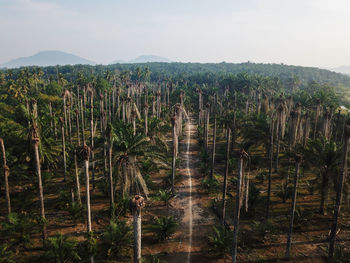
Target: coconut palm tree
{"x":340,"y":186}
{"x":6,"y":175}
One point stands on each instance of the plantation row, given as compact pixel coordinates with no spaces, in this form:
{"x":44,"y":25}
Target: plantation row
{"x":81,"y":156}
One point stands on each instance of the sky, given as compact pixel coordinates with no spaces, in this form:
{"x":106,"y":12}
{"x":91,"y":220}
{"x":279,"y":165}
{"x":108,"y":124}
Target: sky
{"x":297,"y":32}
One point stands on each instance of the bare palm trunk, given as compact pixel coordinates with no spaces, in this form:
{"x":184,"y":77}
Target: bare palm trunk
{"x":92,"y":138}
{"x":36,"y":141}
{"x":206,"y":128}
{"x":173,"y":166}
{"x":237,"y":205}
{"x":228,"y":134}
{"x":82,"y":121}
{"x":86,"y":155}
{"x":324,"y":194}
{"x":146,"y":119}
{"x":6,"y":176}
{"x":77,"y":125}
{"x":213,"y":150}
{"x":64,"y":151}
{"x":77,"y":181}
{"x":340,"y":186}
{"x":292,"y":211}
{"x":111,"y":190}
{"x":137,"y":204}
{"x":270,"y":171}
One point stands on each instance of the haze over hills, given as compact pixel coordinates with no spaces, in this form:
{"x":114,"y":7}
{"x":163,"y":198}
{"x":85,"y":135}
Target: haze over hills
{"x":143,"y":59}
{"x":47,"y":58}
{"x":342,"y":69}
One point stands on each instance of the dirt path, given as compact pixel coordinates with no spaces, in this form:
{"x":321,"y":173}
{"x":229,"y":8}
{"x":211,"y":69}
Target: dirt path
{"x":193,"y":205}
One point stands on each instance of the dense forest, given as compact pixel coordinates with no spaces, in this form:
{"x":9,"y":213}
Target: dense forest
{"x":174,"y":162}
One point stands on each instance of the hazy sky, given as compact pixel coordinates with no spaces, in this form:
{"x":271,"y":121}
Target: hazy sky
{"x":300,"y":32}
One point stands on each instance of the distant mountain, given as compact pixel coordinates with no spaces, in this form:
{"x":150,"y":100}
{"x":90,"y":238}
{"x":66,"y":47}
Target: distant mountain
{"x":342,"y":69}
{"x":47,"y":58}
{"x":143,"y":59}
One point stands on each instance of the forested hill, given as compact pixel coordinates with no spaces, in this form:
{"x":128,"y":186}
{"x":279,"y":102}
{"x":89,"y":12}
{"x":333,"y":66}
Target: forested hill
{"x":173,"y":70}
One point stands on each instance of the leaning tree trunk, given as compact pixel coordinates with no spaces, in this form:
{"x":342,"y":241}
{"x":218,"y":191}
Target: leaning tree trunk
{"x":340,"y":186}
{"x":137,"y":204}
{"x":36,"y":141}
{"x":292,"y":211}
{"x":243,"y":155}
{"x":224,"y":189}
{"x":6,"y":176}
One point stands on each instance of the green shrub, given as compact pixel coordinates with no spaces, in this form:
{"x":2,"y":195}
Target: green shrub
{"x":76,"y":211}
{"x":20,"y":227}
{"x":342,"y":254}
{"x":164,"y":227}
{"x":165,"y":196}
{"x":285,"y":193}
{"x":210,"y":184}
{"x":220,"y":241}
{"x":152,"y":259}
{"x":6,"y":256}
{"x":60,"y":249}
{"x":122,"y":206}
{"x":116,"y":238}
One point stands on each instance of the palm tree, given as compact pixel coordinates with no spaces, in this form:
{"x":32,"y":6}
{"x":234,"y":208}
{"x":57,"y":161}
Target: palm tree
{"x":137,"y":204}
{"x":340,"y":186}
{"x":227,"y":158}
{"x":280,"y":128}
{"x":206,"y":126}
{"x":63,"y":150}
{"x":84,"y":153}
{"x":242,"y":157}
{"x":173,"y":162}
{"x":214,"y":146}
{"x":6,"y":175}
{"x":110,"y":139}
{"x":324,"y":156}
{"x":292,"y":211}
{"x":130,"y":150}
{"x":92,"y":134}
{"x":36,"y":142}
{"x":270,"y":168}
{"x":317,"y":116}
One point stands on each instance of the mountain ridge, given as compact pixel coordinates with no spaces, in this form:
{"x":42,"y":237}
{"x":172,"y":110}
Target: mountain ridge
{"x":143,"y":59}
{"x":47,"y":58}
